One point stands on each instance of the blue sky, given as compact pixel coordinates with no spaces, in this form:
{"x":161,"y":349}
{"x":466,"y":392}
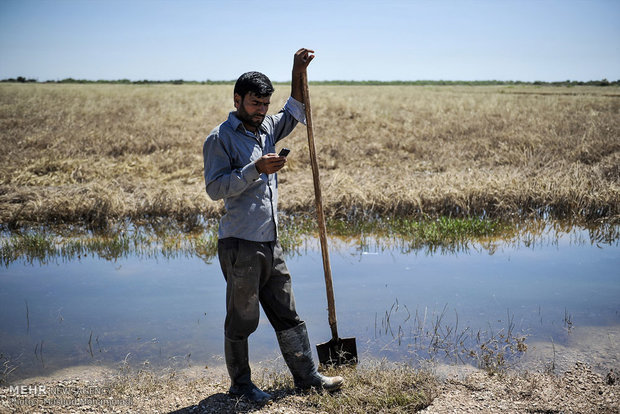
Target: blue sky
{"x":354,"y":40}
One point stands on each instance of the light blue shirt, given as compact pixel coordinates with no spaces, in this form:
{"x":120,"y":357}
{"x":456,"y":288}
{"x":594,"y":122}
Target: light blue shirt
{"x":250,"y":198}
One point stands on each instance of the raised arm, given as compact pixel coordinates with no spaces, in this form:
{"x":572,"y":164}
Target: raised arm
{"x":302,"y":59}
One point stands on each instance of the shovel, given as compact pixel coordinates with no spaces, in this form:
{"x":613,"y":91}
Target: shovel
{"x":337,"y":351}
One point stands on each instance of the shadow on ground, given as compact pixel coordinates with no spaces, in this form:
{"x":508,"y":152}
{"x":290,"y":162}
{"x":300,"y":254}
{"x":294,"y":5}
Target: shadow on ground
{"x":226,"y":404}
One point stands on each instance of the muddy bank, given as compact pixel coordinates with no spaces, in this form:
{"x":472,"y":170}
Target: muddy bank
{"x":377,"y":387}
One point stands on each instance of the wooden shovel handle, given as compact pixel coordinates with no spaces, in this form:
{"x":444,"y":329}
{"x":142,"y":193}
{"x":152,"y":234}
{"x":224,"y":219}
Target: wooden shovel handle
{"x":329,"y":287}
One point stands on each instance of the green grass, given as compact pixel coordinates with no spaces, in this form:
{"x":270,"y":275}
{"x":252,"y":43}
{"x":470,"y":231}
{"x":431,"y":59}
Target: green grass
{"x":169,"y":238}
{"x":31,"y":246}
{"x":44,"y":244}
{"x":426,"y":230}
{"x":380,"y":387}
{"x":372,"y":387}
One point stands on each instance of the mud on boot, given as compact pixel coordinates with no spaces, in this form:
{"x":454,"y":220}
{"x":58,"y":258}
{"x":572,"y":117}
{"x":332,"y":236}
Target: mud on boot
{"x":297,"y":354}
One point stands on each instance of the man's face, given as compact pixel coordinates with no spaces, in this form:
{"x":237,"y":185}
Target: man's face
{"x":251,"y":109}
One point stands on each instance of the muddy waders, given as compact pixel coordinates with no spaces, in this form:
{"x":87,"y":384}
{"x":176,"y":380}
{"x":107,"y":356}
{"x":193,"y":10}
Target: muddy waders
{"x":256,"y":272}
{"x":297,"y":354}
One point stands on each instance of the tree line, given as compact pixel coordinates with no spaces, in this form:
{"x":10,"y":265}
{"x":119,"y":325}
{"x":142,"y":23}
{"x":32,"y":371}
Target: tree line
{"x":602,"y":82}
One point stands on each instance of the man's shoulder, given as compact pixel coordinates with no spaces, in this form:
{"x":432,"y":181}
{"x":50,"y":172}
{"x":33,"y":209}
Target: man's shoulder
{"x":223,"y":130}
{"x":269,"y":123}
{"x":215,"y":132}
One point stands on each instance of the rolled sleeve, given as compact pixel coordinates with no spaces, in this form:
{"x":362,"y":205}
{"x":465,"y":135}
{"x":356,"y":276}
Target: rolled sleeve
{"x":250,"y":173}
{"x":296,"y":109}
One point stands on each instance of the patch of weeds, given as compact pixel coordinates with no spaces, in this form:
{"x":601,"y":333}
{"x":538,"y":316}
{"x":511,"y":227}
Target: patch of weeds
{"x":434,"y":336}
{"x":205,"y":245}
{"x":44,"y":244}
{"x":446,"y":233}
{"x":377,"y":387}
{"x":6,"y":369}
{"x":495,"y":352}
{"x":109,"y":247}
{"x":140,"y":379}
{"x":31,"y":245}
{"x":568,"y":321}
{"x":292,"y":232}
{"x":168,"y":238}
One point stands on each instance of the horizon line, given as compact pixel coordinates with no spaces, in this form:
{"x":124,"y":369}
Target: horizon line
{"x":599,"y":82}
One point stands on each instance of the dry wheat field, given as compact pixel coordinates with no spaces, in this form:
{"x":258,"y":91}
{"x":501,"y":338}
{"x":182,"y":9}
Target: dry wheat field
{"x":91,"y":153}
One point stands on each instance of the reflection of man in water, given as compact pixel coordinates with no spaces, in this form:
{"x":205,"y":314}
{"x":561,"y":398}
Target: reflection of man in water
{"x":240,"y":166}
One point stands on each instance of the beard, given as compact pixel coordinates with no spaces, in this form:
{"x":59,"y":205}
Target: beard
{"x":255,"y":120}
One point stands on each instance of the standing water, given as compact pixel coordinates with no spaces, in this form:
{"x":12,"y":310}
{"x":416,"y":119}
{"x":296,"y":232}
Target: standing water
{"x":538,"y":302}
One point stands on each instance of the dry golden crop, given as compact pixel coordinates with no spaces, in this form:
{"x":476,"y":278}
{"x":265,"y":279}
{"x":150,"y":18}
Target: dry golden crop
{"x":92,"y":153}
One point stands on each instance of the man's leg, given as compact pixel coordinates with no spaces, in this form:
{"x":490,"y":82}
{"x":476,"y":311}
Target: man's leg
{"x":276,"y":292}
{"x":278,"y":301}
{"x":242,"y":263}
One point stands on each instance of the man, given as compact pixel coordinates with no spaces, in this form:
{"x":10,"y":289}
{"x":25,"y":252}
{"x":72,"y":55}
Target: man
{"x":240,"y":166}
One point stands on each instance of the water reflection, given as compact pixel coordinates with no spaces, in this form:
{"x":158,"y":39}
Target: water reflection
{"x":529,"y":234}
{"x":543,"y":284}
{"x":169,"y":239}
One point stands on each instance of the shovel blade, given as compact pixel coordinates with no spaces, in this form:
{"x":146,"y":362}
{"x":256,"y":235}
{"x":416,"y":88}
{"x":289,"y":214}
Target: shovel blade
{"x":340,"y":351}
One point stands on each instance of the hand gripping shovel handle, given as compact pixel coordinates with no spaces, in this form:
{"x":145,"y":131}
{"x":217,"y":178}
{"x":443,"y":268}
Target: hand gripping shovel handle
{"x":331,"y":304}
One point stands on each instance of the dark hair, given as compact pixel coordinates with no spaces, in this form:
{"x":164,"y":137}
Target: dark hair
{"x":254,"y":82}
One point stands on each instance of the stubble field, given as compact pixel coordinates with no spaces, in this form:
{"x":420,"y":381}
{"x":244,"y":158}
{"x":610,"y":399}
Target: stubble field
{"x":90,"y":154}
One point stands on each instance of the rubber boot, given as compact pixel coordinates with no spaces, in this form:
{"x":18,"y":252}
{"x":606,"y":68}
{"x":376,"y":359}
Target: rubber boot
{"x":297,"y":354}
{"x":237,"y":362}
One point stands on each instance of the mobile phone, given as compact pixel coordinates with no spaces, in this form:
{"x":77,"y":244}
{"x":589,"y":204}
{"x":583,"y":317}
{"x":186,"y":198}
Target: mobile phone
{"x":284,"y":152}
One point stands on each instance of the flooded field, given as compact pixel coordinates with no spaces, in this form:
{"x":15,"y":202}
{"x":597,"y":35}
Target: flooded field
{"x":413,"y":287}
{"x":540,"y":302}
